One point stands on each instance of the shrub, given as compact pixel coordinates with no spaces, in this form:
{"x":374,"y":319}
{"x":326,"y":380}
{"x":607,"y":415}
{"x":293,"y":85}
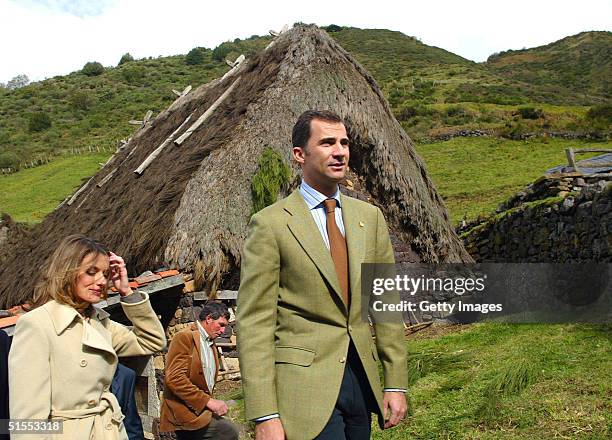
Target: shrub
{"x":133,"y":74}
{"x":457,"y":115}
{"x":194,"y":57}
{"x":39,"y":121}
{"x":81,"y":100}
{"x":600,"y":113}
{"x":8,"y":159}
{"x":93,"y":68}
{"x":412,"y":111}
{"x":530,"y":113}
{"x":125,"y":58}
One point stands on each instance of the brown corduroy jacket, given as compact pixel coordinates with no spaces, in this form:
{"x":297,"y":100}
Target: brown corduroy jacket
{"x":185,"y":393}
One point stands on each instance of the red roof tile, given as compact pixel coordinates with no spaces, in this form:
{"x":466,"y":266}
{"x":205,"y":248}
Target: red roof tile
{"x":167,"y":273}
{"x":7,"y":322}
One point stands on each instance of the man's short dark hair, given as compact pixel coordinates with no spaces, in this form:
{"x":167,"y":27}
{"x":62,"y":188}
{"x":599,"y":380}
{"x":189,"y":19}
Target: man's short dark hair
{"x":215,"y":310}
{"x":301,"y":129}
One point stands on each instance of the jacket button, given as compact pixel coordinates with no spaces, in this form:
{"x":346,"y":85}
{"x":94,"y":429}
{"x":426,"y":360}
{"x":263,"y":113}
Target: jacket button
{"x":92,"y":403}
{"x":109,"y":426}
{"x":83,"y":363}
{"x":350,"y":328}
{"x":342,"y":360}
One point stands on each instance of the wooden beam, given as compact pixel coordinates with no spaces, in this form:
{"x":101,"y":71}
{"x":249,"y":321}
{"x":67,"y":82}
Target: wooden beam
{"x":159,"y":149}
{"x":76,"y":194}
{"x":207,"y":113}
{"x":592,"y":150}
{"x":221,"y":294}
{"x":106,"y":179}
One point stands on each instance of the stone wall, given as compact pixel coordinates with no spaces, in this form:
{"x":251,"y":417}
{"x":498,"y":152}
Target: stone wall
{"x":559,"y":218}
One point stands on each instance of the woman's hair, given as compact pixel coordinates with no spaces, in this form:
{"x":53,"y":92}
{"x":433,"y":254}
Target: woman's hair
{"x":59,"y":276}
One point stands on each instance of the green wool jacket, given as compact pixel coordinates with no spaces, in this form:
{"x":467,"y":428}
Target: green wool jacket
{"x":293,"y":327}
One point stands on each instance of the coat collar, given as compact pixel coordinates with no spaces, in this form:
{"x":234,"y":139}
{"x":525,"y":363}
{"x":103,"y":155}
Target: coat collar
{"x":63,"y":315}
{"x":304,"y":229}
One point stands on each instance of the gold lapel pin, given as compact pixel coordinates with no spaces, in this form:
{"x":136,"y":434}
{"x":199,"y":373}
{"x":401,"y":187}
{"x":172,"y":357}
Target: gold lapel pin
{"x":361,"y":224}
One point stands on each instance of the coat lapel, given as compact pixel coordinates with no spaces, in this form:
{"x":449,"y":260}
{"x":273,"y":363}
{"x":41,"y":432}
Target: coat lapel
{"x":92,"y":336}
{"x":355,"y":241}
{"x":302,"y":226}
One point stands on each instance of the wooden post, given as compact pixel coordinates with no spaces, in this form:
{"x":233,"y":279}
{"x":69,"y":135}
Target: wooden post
{"x":570,"y":158}
{"x":206,"y":114}
{"x":159,"y":149}
{"x":76,"y":194}
{"x":106,"y":179}
{"x":276,"y":34}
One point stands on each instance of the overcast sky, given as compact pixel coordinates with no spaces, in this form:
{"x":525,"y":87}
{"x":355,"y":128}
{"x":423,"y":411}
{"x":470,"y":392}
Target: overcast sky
{"x":44,"y":38}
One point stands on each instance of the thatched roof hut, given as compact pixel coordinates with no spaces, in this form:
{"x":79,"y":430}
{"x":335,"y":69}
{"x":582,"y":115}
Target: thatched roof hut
{"x":190,"y":208}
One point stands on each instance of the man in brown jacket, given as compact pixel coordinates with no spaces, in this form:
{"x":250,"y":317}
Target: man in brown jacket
{"x":188,"y":407}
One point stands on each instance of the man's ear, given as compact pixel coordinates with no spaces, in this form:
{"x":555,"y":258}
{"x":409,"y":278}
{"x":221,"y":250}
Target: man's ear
{"x":298,"y":154}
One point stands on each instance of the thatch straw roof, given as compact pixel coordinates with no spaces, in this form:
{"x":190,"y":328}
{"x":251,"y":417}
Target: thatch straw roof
{"x":190,"y":207}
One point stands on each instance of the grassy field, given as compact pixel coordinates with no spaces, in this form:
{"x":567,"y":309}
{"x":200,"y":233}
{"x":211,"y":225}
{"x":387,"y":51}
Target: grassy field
{"x":32,"y":193}
{"x":474,"y":175}
{"x":504,"y":381}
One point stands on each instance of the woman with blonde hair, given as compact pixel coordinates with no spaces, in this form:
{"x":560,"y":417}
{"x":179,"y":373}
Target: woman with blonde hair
{"x":64,"y":352}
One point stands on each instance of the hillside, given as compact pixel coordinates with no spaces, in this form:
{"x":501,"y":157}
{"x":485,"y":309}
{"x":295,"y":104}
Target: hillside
{"x":581,"y":63}
{"x":426,"y":87}
{"x":436,"y":95}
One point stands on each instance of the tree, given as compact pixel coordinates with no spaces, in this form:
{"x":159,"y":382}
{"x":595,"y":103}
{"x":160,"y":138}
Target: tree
{"x":18,"y":82}
{"x":93,"y":68}
{"x":194,"y":57}
{"x":221,"y":51}
{"x":333,"y":28}
{"x":125,"y":58}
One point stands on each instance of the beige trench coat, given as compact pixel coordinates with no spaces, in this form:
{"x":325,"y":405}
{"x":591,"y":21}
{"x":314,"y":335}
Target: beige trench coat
{"x":61,"y":366}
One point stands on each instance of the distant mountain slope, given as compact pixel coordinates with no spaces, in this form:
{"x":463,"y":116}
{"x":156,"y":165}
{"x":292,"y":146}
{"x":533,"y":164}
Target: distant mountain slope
{"x":389,"y":54}
{"x":582,"y":63}
{"x":426,"y":87}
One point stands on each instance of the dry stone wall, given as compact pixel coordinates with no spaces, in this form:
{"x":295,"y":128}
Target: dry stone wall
{"x":559,"y":218}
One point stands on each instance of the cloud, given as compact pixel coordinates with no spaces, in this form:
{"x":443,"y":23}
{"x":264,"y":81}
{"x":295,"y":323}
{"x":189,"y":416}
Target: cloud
{"x":43,"y":38}
{"x":78,"y":8}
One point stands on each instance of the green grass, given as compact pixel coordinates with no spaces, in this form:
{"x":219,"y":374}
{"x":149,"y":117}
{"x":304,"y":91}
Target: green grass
{"x":505,"y":381}
{"x":32,"y":193}
{"x":94,"y":111}
{"x":475,"y":175}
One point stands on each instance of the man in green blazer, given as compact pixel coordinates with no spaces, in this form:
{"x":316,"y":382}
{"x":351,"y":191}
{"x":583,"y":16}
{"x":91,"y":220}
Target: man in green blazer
{"x":308,"y":360}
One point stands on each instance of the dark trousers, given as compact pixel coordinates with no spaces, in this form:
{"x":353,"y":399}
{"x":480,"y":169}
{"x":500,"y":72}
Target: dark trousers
{"x":218,"y":429}
{"x":351,"y":418}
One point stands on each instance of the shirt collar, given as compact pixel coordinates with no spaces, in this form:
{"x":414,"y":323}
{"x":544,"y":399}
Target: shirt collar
{"x":314,"y":198}
{"x":203,"y":333}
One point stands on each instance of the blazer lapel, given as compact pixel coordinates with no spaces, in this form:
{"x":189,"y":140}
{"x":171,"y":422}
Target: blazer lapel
{"x":195,"y":333}
{"x":302,"y":226}
{"x":355,"y":241}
